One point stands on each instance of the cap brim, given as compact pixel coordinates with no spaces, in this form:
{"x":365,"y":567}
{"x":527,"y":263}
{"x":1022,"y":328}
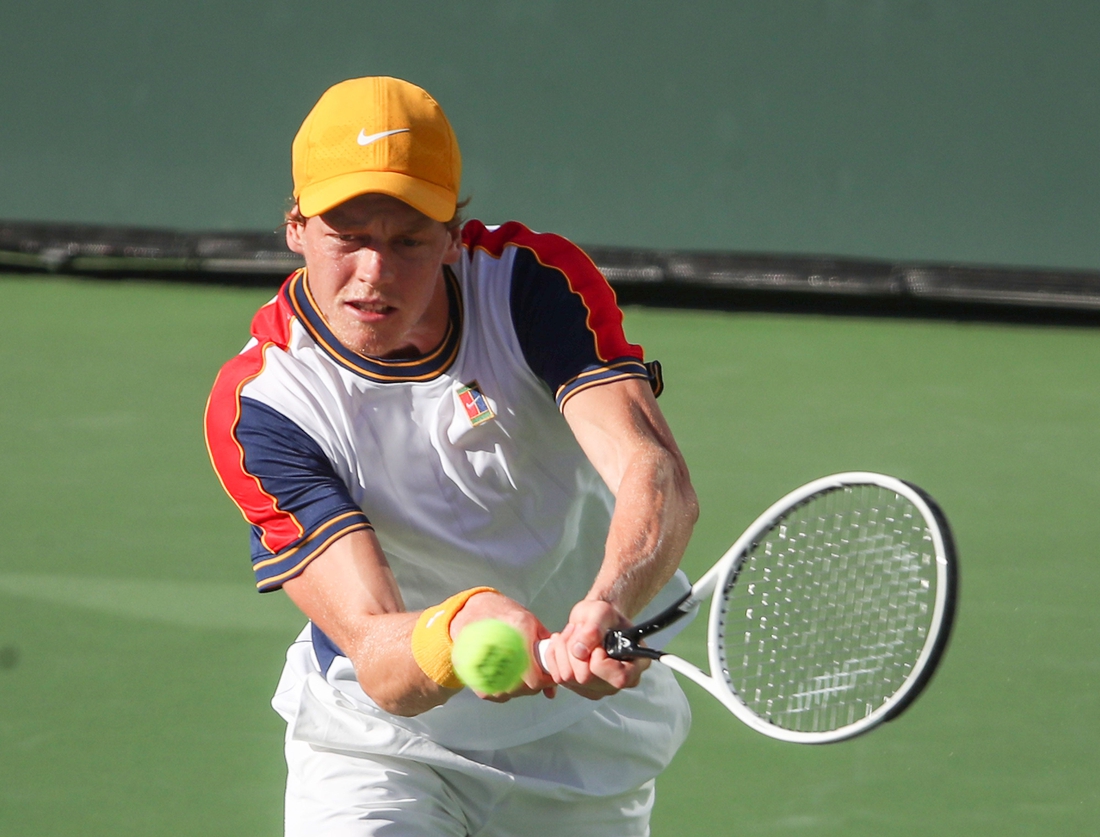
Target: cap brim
{"x":434,"y":201}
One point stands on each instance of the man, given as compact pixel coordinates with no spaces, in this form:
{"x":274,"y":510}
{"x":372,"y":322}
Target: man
{"x":436,"y":423}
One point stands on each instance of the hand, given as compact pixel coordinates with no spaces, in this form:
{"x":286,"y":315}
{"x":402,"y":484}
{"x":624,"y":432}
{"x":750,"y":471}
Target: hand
{"x":498,"y":606}
{"x":575,"y":657}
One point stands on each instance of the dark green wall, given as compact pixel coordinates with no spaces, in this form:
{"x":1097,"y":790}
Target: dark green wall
{"x":922,"y":129}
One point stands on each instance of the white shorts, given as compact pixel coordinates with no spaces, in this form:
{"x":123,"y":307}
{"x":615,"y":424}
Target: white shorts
{"x":345,"y":795}
{"x":352,"y":775}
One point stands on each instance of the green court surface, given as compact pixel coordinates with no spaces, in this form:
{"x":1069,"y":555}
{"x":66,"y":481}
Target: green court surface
{"x":136,"y":662}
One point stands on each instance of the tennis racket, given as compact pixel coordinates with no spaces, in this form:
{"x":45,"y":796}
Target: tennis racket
{"x":828,"y":615}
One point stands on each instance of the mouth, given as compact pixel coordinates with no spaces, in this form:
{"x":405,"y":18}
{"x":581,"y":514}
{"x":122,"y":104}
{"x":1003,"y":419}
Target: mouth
{"x":369,"y":310}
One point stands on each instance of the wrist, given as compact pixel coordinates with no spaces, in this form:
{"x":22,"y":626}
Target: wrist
{"x":431,"y":638}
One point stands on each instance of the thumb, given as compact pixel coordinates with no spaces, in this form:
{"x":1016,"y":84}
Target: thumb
{"x":583,"y":639}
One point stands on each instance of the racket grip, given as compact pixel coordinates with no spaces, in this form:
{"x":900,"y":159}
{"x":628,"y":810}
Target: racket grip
{"x":626,"y":645}
{"x":612,"y":640}
{"x":617,"y":644}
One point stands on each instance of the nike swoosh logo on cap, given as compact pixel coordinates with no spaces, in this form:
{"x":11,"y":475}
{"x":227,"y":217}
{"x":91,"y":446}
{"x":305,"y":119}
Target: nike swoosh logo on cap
{"x":366,"y":139}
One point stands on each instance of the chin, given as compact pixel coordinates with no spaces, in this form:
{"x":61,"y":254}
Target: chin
{"x":358,"y":341}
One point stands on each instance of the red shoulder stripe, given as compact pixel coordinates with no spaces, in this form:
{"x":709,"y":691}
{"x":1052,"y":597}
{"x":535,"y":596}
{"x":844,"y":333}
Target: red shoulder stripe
{"x":271,"y":328}
{"x":604,"y":320}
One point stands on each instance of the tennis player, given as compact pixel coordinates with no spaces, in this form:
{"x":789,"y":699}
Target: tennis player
{"x":434,"y":423}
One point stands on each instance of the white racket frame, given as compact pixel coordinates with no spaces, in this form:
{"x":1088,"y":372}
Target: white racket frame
{"x":728,"y":564}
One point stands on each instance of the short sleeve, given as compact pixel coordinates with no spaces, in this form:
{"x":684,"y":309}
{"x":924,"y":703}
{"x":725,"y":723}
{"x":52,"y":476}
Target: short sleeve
{"x":282,"y":482}
{"x":564,"y":312}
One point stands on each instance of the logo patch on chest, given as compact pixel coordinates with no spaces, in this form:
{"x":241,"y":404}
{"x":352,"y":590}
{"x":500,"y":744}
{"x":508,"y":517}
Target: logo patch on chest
{"x":477,"y":408}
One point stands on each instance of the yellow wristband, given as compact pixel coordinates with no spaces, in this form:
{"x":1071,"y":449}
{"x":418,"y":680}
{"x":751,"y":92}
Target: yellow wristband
{"x":431,"y":638}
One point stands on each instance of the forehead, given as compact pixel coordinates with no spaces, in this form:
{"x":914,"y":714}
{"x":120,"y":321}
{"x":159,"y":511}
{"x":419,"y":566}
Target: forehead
{"x":368,"y":210}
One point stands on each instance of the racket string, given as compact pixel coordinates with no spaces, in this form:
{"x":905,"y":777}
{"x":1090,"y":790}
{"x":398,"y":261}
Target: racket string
{"x":830,"y":609}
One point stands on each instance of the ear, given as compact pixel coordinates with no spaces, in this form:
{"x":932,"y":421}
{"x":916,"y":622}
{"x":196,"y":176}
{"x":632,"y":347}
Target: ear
{"x":453,"y":251}
{"x":294,"y":232}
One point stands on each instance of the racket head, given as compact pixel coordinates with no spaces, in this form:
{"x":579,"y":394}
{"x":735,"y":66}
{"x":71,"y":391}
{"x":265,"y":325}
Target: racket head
{"x":831,"y":612}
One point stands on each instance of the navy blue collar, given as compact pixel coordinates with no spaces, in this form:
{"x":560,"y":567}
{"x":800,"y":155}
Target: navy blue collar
{"x":399,"y":370}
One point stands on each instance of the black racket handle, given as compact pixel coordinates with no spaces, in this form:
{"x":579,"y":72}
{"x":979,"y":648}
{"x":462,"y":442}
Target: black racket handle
{"x":624,"y":644}
{"x":619,"y":645}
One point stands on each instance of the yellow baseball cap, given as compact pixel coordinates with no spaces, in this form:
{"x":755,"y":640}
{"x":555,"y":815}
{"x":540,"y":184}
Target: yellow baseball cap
{"x":376,"y":134}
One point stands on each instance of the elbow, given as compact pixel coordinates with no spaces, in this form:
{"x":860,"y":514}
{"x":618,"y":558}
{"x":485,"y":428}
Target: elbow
{"x":394,"y":705}
{"x":690,"y":502}
{"x":691,"y":506}
{"x":406,"y":702}
{"x":405,"y":706}
{"x":403,"y":709}
{"x":674,"y":493}
{"x":685,"y":491}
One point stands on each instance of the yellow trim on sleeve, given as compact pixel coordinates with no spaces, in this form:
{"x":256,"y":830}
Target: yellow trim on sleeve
{"x":297,"y":568}
{"x":278,"y":559}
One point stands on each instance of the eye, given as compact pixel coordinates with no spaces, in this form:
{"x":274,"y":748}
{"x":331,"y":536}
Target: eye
{"x":410,"y":242}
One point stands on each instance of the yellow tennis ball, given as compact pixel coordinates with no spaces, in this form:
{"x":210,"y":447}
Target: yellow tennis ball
{"x":490,"y":656}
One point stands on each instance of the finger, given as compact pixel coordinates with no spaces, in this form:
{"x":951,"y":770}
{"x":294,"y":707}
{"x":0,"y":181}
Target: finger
{"x":535,"y":679}
{"x":570,"y":670}
{"x":580,"y":667}
{"x":563,"y":661}
{"x":566,"y":669}
{"x":622,"y":674}
{"x":584,"y":639}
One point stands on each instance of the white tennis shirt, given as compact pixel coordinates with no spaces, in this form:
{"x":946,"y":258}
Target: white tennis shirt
{"x":459,"y":460}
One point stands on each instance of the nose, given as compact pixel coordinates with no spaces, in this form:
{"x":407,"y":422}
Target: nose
{"x":372,"y":266}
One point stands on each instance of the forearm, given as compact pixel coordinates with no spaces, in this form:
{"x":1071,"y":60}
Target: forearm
{"x":350,"y":593}
{"x":625,"y":437}
{"x":655,"y":513}
{"x":378,"y":645}
{"x":386,"y":670}
{"x":382,"y":661}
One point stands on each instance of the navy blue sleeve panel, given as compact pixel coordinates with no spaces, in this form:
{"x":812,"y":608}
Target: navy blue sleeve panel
{"x":567,"y":328}
{"x":325,"y":649}
{"x":304,"y":488}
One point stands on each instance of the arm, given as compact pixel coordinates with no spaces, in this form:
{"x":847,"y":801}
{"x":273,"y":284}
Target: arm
{"x":621,"y":430}
{"x":313,"y":540}
{"x":350,"y":593}
{"x":569,"y":328}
